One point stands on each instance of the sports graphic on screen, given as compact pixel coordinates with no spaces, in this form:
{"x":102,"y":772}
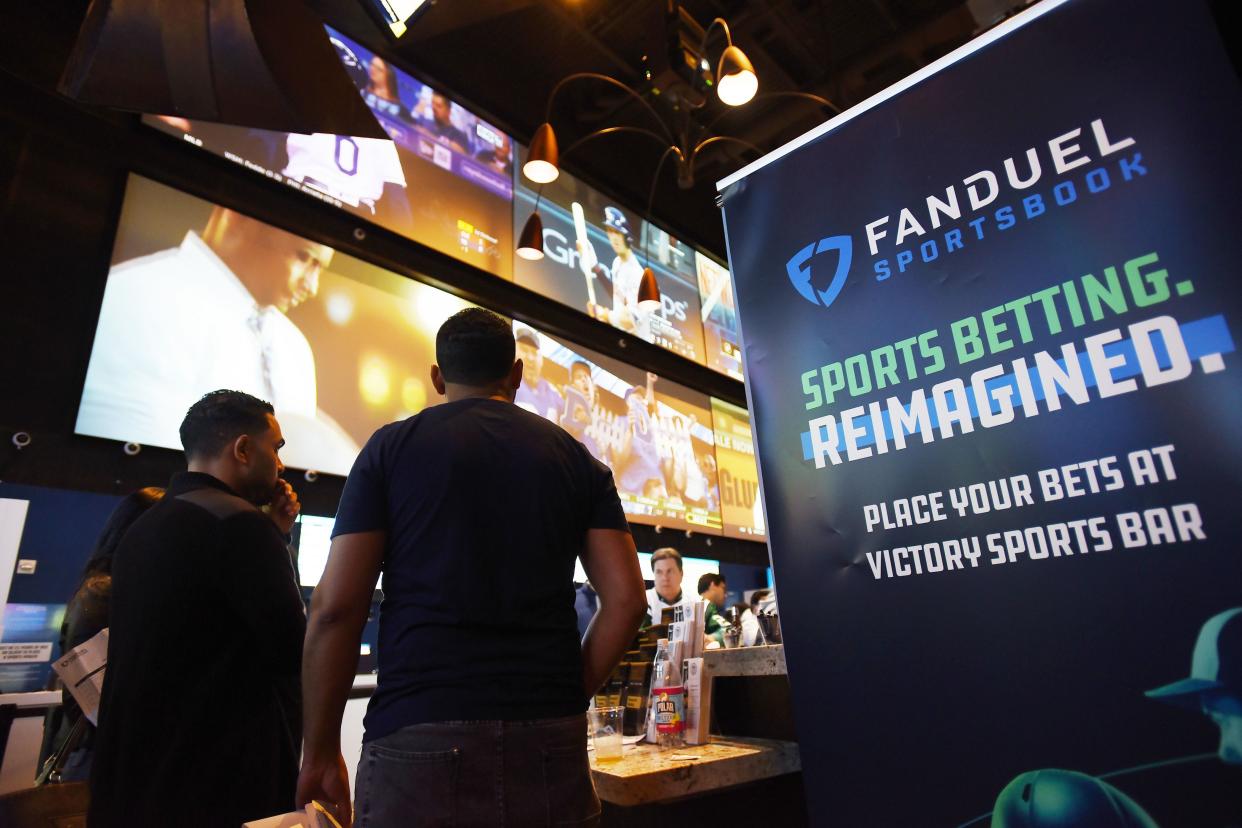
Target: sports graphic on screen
{"x":594,"y":254}
{"x":655,"y":436}
{"x":719,"y":312}
{"x":740,"y":506}
{"x":445,"y":179}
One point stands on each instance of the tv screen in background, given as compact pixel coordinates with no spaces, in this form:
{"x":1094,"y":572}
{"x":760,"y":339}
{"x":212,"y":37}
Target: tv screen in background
{"x":314,"y":542}
{"x":200,"y":298}
{"x":445,"y":179}
{"x":594,"y":254}
{"x":719,"y":314}
{"x":740,"y":508}
{"x":655,"y":435}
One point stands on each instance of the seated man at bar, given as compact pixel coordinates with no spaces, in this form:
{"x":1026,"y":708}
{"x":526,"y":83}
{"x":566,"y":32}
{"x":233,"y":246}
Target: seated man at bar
{"x":666,"y":567}
{"x":475,"y":509}
{"x":713,"y":590}
{"x":200,"y":720}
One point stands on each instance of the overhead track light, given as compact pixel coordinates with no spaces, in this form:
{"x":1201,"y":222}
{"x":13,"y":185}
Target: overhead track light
{"x":736,"y":82}
{"x":530,"y":242}
{"x":542,"y":162}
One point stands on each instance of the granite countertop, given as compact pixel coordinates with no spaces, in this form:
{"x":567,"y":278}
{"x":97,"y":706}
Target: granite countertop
{"x":746,"y":661}
{"x":646,"y":774}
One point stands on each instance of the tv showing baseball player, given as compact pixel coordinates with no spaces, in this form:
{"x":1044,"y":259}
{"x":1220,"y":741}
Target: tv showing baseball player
{"x":201,"y":297}
{"x":656,"y":436}
{"x":594,"y":254}
{"x":444,"y":179}
{"x":741,"y":510}
{"x":719,"y":313}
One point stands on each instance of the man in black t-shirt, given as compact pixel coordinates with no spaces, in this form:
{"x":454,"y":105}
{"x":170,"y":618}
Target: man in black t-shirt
{"x":475,"y":511}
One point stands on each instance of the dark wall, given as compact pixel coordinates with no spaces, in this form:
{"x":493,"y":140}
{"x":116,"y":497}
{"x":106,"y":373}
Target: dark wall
{"x":63,"y":169}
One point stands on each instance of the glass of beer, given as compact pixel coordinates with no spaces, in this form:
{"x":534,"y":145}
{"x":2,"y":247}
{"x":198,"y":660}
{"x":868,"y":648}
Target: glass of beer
{"x":606,"y":732}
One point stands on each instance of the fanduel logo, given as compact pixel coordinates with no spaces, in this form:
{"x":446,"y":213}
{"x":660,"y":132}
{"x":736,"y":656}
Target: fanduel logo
{"x":802,"y":278}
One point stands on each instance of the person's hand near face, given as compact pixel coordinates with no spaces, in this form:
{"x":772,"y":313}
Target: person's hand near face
{"x":284,"y":508}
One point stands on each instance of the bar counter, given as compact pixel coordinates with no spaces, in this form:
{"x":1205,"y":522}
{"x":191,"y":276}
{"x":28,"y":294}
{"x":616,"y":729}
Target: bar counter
{"x":752,"y":771}
{"x":645,"y":774}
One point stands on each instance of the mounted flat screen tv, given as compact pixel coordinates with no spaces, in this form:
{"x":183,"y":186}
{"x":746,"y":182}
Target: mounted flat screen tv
{"x":721,"y":335}
{"x":445,"y":178}
{"x":594,"y":254}
{"x":655,"y":435}
{"x":740,"y":507}
{"x":200,"y":297}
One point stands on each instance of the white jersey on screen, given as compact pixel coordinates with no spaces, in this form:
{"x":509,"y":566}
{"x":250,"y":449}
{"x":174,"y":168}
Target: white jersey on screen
{"x":352,"y":170}
{"x":627,"y":275}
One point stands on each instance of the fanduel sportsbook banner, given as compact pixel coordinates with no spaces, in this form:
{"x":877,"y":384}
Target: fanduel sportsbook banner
{"x":989,"y":322}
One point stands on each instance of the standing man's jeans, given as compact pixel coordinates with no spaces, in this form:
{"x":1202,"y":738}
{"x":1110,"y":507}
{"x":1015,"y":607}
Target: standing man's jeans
{"x":478,"y":774}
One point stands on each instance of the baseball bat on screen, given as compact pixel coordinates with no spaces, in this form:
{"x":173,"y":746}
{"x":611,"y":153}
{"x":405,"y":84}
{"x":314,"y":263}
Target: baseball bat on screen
{"x":581,"y":233}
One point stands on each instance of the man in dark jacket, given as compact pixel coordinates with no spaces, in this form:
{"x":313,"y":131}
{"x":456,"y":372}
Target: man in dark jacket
{"x":201,"y":709}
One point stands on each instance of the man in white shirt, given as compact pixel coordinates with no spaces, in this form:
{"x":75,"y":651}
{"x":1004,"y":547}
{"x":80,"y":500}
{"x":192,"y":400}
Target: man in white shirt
{"x":626,"y":274}
{"x":205,"y":315}
{"x":666,"y":567}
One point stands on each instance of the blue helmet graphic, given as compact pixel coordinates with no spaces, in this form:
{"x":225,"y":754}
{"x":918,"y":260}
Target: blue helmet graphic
{"x":1055,"y":798}
{"x":800,"y":273}
{"x":614,"y":219}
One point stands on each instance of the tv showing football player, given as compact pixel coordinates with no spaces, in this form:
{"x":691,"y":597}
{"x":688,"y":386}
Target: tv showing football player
{"x":656,"y":436}
{"x":444,"y":179}
{"x":201,"y":297}
{"x":594,"y":254}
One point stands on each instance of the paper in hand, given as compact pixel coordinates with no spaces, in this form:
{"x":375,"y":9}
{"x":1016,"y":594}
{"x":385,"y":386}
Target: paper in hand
{"x":82,"y":672}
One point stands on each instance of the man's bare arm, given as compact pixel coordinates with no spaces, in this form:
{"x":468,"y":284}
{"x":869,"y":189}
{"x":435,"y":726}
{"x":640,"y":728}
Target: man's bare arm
{"x":611,"y":564}
{"x":339,"y":610}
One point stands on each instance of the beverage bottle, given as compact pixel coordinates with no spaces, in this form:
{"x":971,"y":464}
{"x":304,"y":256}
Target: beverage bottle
{"x":668,"y":699}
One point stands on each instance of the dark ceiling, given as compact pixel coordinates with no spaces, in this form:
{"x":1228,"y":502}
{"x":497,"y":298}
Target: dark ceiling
{"x":503,"y":57}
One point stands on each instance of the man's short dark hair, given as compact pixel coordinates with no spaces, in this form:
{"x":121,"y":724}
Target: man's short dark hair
{"x":219,"y":418}
{"x":708,"y":580}
{"x":578,"y":363}
{"x":668,"y":553}
{"x":475,"y":347}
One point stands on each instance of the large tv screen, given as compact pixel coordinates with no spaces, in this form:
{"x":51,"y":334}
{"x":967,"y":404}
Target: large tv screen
{"x":445,"y":179}
{"x":740,"y":507}
{"x":719,"y":314}
{"x":656,"y":436}
{"x":200,"y":297}
{"x":594,"y":254}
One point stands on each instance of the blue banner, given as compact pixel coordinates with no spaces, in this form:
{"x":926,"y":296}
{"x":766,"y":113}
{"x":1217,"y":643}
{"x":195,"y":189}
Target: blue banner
{"x":990,"y":322}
